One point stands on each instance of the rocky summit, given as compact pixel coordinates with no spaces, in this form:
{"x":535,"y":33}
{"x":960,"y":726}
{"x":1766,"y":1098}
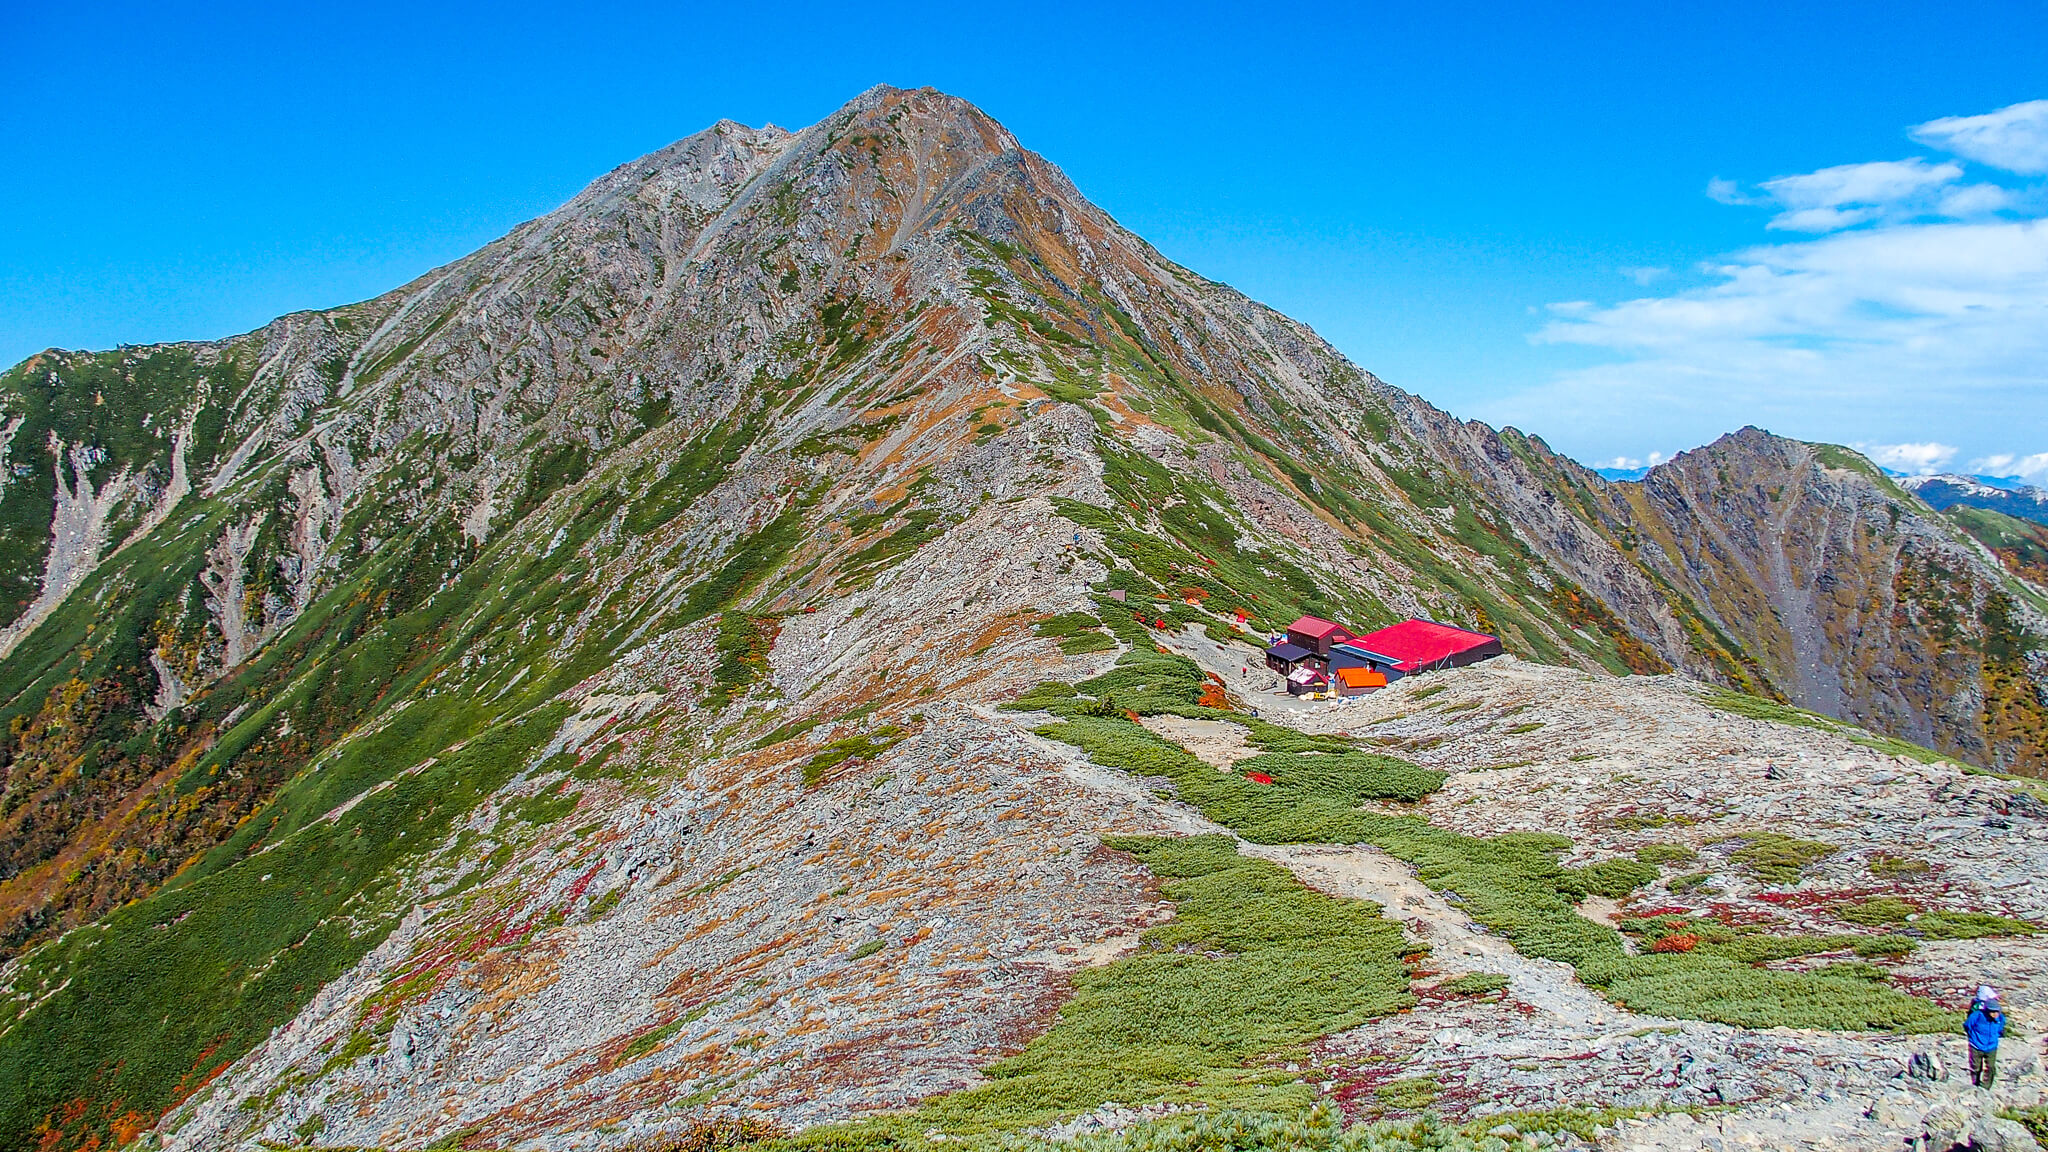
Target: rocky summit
{"x":774,"y":652}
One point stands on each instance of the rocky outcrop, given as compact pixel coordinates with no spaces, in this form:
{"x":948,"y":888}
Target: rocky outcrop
{"x":79,"y":523}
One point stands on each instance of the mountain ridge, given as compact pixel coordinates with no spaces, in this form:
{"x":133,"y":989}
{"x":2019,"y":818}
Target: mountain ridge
{"x":1945,"y":490}
{"x":757,"y":459}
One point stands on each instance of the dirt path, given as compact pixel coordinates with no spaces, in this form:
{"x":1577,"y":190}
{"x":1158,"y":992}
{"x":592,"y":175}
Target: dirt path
{"x":1216,"y":742}
{"x":1552,"y":1042}
{"x":1457,"y":945}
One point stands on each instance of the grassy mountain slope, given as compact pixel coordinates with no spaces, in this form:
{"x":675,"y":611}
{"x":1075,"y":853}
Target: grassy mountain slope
{"x":2022,"y":546}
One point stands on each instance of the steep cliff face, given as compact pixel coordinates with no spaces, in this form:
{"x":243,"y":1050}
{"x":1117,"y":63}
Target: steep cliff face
{"x":1850,"y":598}
{"x":1797,"y":571}
{"x":536,"y":689}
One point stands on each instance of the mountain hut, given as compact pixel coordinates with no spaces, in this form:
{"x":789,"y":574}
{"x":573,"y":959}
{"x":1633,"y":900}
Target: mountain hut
{"x":1351,"y":654}
{"x":1316,"y":635}
{"x":1283,"y":656}
{"x":1423,"y":645}
{"x":1306,"y":679}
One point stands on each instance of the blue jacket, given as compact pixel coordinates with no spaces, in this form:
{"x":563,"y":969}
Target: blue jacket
{"x":1984,"y":1027}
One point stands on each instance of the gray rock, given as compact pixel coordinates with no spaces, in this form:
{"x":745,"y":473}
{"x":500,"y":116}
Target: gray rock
{"x":1997,"y":1134}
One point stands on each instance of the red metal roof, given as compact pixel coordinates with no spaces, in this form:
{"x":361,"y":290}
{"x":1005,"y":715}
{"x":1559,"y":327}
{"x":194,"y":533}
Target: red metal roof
{"x":1420,"y":643}
{"x":1315,"y":627}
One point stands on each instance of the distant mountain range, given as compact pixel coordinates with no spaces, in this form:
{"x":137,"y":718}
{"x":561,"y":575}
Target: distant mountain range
{"x":2019,"y":501}
{"x":1944,"y":489}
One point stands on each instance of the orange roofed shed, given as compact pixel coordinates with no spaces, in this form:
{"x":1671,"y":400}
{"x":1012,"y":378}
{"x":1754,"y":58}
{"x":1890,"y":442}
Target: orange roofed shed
{"x":1316,"y":635}
{"x":1359,"y":681}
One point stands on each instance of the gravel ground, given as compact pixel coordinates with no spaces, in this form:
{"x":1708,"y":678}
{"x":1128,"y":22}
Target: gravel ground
{"x":1593,"y":751}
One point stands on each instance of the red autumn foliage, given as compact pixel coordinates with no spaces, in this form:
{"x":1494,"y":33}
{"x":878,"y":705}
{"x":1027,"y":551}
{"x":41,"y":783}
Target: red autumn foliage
{"x":1677,"y":942}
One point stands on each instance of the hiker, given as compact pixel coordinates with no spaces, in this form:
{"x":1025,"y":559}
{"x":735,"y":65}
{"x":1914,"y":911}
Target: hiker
{"x":1984,"y":1025}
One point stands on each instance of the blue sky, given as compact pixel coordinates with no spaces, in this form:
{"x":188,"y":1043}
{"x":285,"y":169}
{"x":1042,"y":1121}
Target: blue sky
{"x":1611,"y":225}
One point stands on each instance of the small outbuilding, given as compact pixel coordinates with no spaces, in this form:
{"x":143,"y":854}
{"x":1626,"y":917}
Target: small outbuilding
{"x":1358,"y":681}
{"x":1422,"y":645}
{"x":1306,"y":679}
{"x":1316,"y":634}
{"x":1284,"y":656}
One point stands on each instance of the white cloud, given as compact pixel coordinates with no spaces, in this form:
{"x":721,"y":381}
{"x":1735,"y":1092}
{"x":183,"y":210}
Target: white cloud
{"x":1851,"y":194}
{"x":1629,"y":463}
{"x":1729,"y":192}
{"x":1975,"y":200}
{"x":1919,"y":459}
{"x":2034,"y":467}
{"x":2014,"y":138}
{"x":1846,"y":195}
{"x":1923,"y":332}
{"x":1899,"y":286}
{"x":1822,"y":219}
{"x":1878,"y":182}
{"x":1643,"y":276}
{"x":1905,"y":333}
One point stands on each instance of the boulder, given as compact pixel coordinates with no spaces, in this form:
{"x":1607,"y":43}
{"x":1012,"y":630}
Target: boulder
{"x":1997,"y":1134}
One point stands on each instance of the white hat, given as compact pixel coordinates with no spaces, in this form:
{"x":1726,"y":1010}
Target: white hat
{"x":1987,"y":992}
